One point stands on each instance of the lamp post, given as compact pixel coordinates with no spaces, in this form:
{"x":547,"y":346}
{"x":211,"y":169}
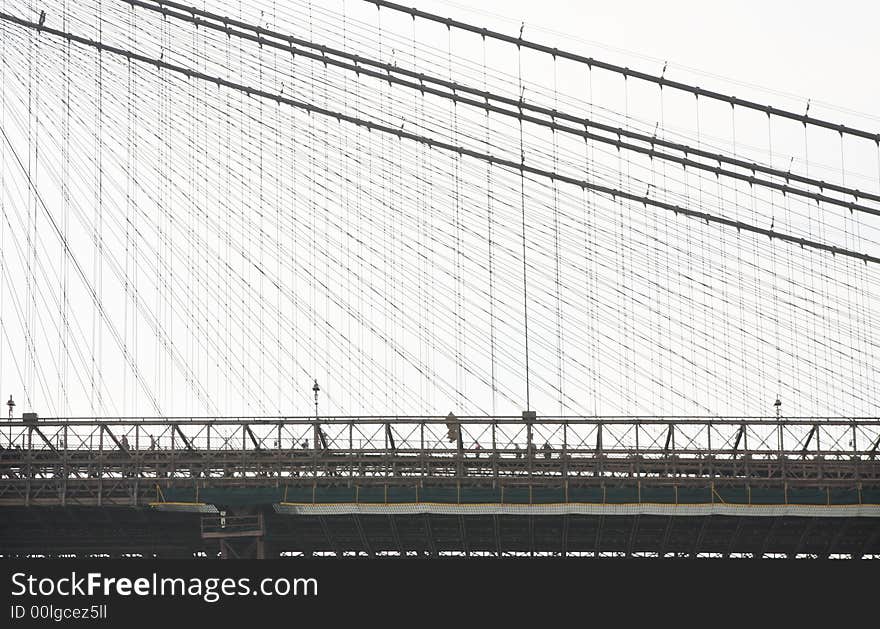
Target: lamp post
{"x":316,"y":388}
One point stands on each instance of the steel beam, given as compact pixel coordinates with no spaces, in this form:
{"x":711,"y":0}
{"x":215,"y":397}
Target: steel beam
{"x":834,"y":541}
{"x":698,"y":541}
{"x":809,"y":438}
{"x":597,"y":546}
{"x":363,"y":535}
{"x":113,"y":438}
{"x":565,"y":525}
{"x":869,"y":542}
{"x":668,"y":439}
{"x":666,"y":533}
{"x":633,"y":532}
{"x":330,"y":539}
{"x":389,"y":435}
{"x":253,"y":437}
{"x":531,"y":535}
{"x":808,"y":529}
{"x":735,"y":537}
{"x":739,"y":435}
{"x":35,"y":429}
{"x":429,"y":534}
{"x":394,"y":533}
{"x":462,"y":529}
{"x":176,"y":428}
{"x":766,"y":543}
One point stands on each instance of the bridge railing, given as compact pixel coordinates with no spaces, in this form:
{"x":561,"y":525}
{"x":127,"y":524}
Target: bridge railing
{"x":506,"y":437}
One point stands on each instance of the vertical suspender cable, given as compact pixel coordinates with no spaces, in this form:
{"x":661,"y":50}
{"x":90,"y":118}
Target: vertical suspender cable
{"x":522,"y":187}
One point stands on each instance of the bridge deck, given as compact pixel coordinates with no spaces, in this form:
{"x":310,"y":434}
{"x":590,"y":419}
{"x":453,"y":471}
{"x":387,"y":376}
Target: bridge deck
{"x":121,"y":530}
{"x":740,"y":486}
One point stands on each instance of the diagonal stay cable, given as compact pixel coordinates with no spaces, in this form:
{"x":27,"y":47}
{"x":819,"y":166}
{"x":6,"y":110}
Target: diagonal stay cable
{"x":388,"y":72}
{"x":613,"y":192}
{"x":114,"y":332}
{"x":627,"y":72}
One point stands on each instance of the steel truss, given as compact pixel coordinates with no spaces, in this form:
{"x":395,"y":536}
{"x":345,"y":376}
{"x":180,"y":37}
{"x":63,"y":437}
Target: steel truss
{"x":124,"y":461}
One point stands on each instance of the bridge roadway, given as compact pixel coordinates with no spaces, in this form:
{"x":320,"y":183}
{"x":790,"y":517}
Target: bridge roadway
{"x":404,"y":485}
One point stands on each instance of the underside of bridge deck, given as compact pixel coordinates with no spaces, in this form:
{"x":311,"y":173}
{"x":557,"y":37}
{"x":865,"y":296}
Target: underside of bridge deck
{"x":121,"y":531}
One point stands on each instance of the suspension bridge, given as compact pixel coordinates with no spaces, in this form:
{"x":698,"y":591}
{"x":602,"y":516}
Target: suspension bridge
{"x":334,"y":278}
